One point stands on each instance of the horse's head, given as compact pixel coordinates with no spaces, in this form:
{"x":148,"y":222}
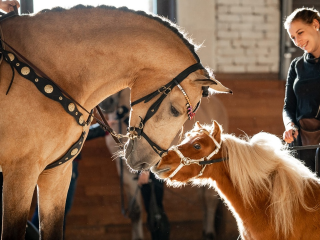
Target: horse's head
{"x":188,"y":160}
{"x":156,"y":118}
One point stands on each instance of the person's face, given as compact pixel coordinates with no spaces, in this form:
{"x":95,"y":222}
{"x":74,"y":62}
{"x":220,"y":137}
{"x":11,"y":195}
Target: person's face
{"x":306,"y":36}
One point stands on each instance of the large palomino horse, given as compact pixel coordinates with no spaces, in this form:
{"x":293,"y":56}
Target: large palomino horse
{"x":90,"y":53}
{"x":271,"y":193}
{"x":213,"y":207}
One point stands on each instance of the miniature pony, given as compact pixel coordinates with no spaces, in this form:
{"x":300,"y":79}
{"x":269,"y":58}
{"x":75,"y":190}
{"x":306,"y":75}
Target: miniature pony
{"x":271,"y":194}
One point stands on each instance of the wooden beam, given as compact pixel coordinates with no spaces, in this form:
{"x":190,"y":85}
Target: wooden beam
{"x":167,"y":8}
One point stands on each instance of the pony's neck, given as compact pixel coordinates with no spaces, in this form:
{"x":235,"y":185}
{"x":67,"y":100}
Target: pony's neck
{"x":91,"y":56}
{"x":235,"y":202}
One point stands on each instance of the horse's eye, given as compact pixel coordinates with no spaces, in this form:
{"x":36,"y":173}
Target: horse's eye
{"x":197,"y":146}
{"x":174,"y":111}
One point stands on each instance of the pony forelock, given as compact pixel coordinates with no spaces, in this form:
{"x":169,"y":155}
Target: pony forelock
{"x":262,"y":165}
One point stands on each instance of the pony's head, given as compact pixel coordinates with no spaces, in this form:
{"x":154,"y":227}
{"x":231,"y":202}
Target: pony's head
{"x":187,"y":161}
{"x":260,"y":170}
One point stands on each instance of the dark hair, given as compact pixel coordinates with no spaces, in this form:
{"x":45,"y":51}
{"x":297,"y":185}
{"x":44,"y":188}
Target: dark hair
{"x":307,"y":15}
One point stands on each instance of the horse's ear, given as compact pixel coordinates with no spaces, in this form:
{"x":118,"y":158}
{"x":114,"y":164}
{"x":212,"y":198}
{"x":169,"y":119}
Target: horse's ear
{"x":214,"y":84}
{"x":216,"y":130}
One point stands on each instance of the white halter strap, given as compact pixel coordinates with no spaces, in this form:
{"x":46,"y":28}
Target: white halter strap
{"x":184,"y":161}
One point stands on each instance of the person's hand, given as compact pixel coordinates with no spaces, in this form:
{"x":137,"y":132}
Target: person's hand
{"x":7,"y":6}
{"x":143,"y":178}
{"x":290,"y":133}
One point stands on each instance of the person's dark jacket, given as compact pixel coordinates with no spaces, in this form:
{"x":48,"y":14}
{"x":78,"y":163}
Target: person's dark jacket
{"x":302,"y":95}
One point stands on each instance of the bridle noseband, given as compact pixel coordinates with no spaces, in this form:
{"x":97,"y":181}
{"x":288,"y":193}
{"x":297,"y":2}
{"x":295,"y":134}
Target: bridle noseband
{"x":203,"y":162}
{"x":137,"y":132}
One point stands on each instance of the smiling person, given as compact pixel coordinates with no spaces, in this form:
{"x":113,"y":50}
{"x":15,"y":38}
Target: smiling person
{"x":301,"y":111}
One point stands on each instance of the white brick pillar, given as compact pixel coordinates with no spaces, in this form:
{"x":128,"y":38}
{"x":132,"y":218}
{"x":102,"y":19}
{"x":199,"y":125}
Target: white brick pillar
{"x":239,"y":36}
{"x":198,"y":18}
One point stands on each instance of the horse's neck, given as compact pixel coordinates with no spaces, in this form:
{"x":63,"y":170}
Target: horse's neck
{"x":90,"y":55}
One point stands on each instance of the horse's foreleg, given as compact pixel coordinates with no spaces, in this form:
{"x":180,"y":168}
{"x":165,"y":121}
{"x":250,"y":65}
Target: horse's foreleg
{"x":135,"y":204}
{"x":18,"y":189}
{"x":136,"y":214}
{"x":53,"y":185}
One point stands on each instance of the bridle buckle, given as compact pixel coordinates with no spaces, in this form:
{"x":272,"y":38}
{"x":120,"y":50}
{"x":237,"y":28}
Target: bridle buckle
{"x":165,"y":90}
{"x":133,"y":134}
{"x":186,"y":161}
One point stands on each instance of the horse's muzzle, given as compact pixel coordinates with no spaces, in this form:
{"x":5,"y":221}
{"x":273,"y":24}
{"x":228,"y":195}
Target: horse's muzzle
{"x":139,"y":154}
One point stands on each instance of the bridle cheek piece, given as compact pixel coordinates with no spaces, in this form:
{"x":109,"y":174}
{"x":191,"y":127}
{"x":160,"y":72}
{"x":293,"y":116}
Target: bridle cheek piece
{"x":137,"y":132}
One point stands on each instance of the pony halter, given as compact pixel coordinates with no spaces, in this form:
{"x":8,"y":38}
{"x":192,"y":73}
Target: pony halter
{"x":185,"y":161}
{"x":137,"y":132}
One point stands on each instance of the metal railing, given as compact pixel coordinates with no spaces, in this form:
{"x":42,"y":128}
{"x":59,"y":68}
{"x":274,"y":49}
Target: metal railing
{"x":310,"y":147}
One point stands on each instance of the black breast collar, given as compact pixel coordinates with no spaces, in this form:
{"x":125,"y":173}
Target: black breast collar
{"x":48,"y":88}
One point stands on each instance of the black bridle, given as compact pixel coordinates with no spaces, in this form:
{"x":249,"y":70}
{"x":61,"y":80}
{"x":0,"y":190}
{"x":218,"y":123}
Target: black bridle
{"x":137,"y":132}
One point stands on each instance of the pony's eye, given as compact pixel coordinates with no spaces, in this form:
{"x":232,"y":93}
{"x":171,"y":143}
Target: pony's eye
{"x":197,"y":146}
{"x":174,"y":111}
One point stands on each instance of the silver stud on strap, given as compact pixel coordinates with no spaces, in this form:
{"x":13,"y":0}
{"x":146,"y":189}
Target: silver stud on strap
{"x":11,"y":56}
{"x":81,"y":119}
{"x":25,"y":71}
{"x":48,"y":89}
{"x":71,"y":107}
{"x":74,"y":151}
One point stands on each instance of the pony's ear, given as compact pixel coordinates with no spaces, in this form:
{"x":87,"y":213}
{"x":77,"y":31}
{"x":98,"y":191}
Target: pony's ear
{"x":198,"y":125}
{"x":214,"y":84}
{"x":216,"y":131}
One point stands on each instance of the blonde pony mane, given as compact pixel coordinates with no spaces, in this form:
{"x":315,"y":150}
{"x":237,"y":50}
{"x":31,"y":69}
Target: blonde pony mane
{"x":262,"y":165}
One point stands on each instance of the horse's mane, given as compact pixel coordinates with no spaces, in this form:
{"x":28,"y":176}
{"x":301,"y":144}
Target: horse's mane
{"x":162,"y":20}
{"x":263,"y":165}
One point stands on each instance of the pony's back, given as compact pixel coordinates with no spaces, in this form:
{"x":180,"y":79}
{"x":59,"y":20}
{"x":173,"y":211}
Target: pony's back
{"x":263,"y":164}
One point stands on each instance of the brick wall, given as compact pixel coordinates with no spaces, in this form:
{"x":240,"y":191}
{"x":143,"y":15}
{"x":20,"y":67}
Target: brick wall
{"x":239,"y":36}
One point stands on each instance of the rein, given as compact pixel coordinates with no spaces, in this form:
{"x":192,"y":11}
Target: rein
{"x":203,"y":162}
